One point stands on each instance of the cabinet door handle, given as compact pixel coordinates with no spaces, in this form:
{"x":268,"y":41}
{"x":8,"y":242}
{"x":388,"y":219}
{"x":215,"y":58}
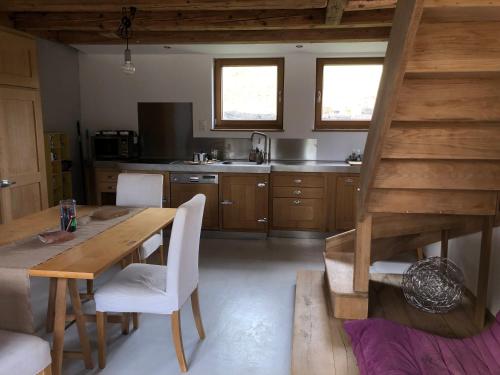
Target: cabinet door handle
{"x":349,"y":181}
{"x":226,"y":203}
{"x":298,"y":181}
{"x":297,"y":192}
{"x":297,"y":201}
{"x":263,"y":220}
{"x":6,"y":183}
{"x":261,"y":184}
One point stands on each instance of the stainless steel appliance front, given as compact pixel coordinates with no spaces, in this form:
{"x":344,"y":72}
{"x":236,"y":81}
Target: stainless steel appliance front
{"x":194,"y":178}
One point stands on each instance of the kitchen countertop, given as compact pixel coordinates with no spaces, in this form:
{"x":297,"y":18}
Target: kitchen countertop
{"x":236,"y":166}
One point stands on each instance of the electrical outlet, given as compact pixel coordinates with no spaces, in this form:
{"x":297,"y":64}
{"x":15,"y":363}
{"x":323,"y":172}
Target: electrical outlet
{"x":202,"y":125}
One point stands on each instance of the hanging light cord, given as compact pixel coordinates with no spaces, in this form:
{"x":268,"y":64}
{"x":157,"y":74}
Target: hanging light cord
{"x":125,"y":29}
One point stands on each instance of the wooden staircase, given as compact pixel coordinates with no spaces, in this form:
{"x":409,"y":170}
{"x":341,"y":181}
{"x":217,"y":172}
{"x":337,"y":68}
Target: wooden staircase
{"x":431,"y":167}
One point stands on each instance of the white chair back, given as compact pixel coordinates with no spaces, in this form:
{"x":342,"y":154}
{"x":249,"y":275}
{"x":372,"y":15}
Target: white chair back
{"x":139,"y":190}
{"x":182,"y":264}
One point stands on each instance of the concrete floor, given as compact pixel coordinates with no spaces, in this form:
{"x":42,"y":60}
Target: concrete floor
{"x":247,"y":290}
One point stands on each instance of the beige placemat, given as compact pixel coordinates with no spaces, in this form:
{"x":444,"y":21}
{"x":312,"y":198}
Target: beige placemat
{"x":18,"y":257}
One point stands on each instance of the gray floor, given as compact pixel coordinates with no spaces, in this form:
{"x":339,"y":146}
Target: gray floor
{"x":247,"y":296}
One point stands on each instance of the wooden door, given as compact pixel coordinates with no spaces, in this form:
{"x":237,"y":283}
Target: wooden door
{"x":244,"y":200}
{"x":17,"y":59}
{"x":181,"y":193}
{"x":22,"y":160}
{"x":298,"y":214}
{"x":346,"y":202}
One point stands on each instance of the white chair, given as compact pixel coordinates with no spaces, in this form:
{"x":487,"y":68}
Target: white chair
{"x":24,"y":354}
{"x":147,"y":288}
{"x":142,"y":190}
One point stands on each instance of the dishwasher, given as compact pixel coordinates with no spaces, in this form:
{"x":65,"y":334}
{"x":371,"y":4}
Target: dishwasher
{"x":184,"y":186}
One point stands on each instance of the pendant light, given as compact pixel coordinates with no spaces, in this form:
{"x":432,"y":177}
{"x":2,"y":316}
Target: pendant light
{"x":125,"y":32}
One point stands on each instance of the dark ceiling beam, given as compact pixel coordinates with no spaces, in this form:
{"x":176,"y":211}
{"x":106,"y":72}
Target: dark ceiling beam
{"x":234,"y":36}
{"x":153,"y":5}
{"x":196,"y":20}
{"x":5,"y":20}
{"x":334,"y":11}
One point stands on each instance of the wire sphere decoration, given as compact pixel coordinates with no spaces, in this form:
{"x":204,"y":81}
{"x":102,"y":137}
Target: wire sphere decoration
{"x":433,"y":285}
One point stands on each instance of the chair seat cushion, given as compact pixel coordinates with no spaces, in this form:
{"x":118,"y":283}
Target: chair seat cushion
{"x":23,"y":354}
{"x":137,"y":288}
{"x":150,"y":245}
{"x":384,"y":347}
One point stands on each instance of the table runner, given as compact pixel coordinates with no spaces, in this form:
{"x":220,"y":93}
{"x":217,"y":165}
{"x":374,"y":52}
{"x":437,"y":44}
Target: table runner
{"x":18,"y":257}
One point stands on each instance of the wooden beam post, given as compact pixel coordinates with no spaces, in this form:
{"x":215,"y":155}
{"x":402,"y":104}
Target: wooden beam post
{"x":334,"y":11}
{"x":362,"y":253}
{"x":484,"y":271}
{"x":444,"y":243}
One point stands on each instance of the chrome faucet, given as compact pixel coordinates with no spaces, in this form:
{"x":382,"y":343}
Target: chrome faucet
{"x":266,"y":141}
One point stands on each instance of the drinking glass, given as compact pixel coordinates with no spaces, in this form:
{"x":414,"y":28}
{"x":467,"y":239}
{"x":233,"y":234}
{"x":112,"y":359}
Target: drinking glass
{"x":68,"y":215}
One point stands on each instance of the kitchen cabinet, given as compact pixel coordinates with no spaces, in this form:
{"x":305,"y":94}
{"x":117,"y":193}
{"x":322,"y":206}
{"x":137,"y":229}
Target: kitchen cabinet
{"x":105,"y":185}
{"x":244,"y":201}
{"x":181,"y":193}
{"x":23,"y":189}
{"x":298,"y":201}
{"x":18,"y":62}
{"x":346,"y":201}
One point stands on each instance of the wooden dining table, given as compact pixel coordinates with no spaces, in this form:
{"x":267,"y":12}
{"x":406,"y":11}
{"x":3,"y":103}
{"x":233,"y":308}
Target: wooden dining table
{"x":85,"y":261}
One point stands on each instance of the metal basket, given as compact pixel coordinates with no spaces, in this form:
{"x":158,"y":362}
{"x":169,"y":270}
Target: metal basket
{"x":433,"y":285}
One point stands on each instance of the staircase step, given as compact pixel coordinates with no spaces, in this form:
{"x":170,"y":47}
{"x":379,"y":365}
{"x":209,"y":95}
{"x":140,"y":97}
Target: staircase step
{"x":346,"y":303}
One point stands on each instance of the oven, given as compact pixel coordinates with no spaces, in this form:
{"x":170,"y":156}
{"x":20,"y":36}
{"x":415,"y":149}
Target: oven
{"x":115,"y":145}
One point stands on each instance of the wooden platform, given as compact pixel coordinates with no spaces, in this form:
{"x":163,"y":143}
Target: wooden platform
{"x":320,"y":345}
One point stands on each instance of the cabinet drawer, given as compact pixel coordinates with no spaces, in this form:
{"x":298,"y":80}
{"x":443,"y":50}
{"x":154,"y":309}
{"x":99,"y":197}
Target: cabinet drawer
{"x":298,"y":214}
{"x":106,"y":187}
{"x":298,"y":179}
{"x":106,"y":175}
{"x":298,"y":192}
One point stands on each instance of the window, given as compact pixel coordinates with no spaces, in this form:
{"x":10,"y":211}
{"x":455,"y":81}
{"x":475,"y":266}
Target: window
{"x":346,"y":90}
{"x":249,"y":94}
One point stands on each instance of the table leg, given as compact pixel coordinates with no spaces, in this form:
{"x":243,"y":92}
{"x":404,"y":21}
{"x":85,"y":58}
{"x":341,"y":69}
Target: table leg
{"x":51,"y":305}
{"x":59,"y":326}
{"x":80,"y":323}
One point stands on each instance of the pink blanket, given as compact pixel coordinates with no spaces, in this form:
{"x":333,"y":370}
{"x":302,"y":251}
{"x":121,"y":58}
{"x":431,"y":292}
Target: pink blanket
{"x":383,"y":347}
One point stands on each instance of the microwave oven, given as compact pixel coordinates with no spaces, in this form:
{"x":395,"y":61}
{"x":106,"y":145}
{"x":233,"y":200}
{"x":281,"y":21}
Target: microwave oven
{"x":115,"y":145}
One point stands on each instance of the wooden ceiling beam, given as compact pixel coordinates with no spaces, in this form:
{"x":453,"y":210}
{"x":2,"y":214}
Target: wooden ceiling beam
{"x":334,"y":11}
{"x":195,"y":20}
{"x":153,"y":5}
{"x":354,"y":5}
{"x":235,"y":36}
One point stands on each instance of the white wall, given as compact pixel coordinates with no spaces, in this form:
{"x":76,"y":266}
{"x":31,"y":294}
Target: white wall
{"x":464,"y":251}
{"x":109,"y":97}
{"x":60,"y":93}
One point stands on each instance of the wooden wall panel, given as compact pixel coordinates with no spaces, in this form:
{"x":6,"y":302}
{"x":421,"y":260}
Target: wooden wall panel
{"x":434,"y":140}
{"x":465,"y":99}
{"x":18,"y":64}
{"x":438,"y":174}
{"x":433,"y":202}
{"x":456,"y":47}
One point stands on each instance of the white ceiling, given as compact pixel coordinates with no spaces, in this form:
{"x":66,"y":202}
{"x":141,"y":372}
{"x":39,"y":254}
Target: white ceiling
{"x":351,"y":49}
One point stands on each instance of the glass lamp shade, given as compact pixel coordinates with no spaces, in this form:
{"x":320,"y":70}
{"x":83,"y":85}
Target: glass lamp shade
{"x":128,"y":67}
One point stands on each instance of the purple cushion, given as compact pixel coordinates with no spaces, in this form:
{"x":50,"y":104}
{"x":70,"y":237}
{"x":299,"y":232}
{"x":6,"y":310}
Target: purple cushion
{"x":383,"y":347}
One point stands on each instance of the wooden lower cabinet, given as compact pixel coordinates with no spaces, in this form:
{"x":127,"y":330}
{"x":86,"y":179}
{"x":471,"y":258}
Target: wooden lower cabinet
{"x":22,"y":160}
{"x":298,"y":201}
{"x":244,"y":201}
{"x":346,"y":201}
{"x":181,"y":193}
{"x":298,"y":214}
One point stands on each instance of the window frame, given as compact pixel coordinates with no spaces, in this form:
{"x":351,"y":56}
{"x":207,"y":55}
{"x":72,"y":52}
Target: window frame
{"x":267,"y":125}
{"x":339,"y":125}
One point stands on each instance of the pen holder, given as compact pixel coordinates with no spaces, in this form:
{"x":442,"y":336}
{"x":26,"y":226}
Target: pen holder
{"x":68,"y":215}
